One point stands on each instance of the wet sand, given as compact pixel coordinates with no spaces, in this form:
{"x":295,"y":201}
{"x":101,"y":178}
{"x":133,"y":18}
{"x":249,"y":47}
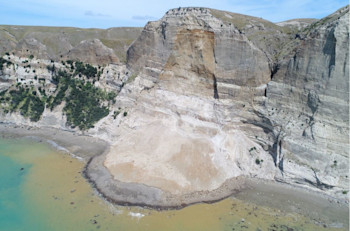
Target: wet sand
{"x":62,"y":200}
{"x":80,"y":145}
{"x":142,"y":195}
{"x":323,"y":209}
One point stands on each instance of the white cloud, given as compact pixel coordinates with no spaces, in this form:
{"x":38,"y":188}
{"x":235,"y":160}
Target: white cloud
{"x":107,"y":13}
{"x":93,"y":14}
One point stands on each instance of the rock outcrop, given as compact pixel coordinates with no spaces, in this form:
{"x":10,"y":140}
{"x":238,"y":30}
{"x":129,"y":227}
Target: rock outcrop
{"x":178,"y":118}
{"x":92,"y":51}
{"x":211,"y":101}
{"x":308,"y":98}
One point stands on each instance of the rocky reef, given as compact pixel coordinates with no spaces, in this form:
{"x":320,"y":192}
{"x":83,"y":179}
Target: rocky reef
{"x":207,"y":98}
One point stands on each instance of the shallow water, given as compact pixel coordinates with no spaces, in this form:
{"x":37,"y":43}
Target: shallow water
{"x":43,"y":189}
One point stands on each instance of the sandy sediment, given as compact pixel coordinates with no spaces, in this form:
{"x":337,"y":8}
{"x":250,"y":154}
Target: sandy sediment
{"x":82,"y":146}
{"x":266,"y":193}
{"x":142,"y":195}
{"x":324,"y":210}
{"x":94,"y":151}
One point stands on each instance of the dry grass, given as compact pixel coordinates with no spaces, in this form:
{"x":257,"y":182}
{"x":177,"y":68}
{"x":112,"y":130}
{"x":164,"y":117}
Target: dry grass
{"x":59,"y":40}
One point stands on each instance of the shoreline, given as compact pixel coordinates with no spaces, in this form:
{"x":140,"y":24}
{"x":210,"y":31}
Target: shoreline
{"x":82,"y":146}
{"x":322,"y":209}
{"x":135,"y":194}
{"x":93,"y":150}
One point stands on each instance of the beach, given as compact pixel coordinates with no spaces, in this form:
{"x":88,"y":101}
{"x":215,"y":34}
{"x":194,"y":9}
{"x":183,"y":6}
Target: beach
{"x":322,"y":209}
{"x":81,"y":146}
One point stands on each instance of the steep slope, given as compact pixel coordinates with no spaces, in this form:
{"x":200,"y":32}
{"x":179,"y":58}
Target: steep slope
{"x":309,"y":98}
{"x":200,"y":113}
{"x":92,"y":51}
{"x":54,"y":42}
{"x":242,"y":57}
{"x":185,"y":129}
{"x":297,"y":24}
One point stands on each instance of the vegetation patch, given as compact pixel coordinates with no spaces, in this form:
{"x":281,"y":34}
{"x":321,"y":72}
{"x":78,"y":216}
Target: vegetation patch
{"x":87,"y":70}
{"x":25,"y":101}
{"x":85,"y":104}
{"x":4,"y":61}
{"x":84,"y":113}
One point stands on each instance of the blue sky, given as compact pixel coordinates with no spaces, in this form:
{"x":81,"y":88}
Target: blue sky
{"x":116,"y":13}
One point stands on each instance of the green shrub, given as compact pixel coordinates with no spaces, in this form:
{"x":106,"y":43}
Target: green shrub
{"x":334,"y":164}
{"x":26,"y":102}
{"x":4,"y":61}
{"x":85,"y":69}
{"x":51,"y":68}
{"x":85,"y":104}
{"x":84,"y":113}
{"x":252,"y":149}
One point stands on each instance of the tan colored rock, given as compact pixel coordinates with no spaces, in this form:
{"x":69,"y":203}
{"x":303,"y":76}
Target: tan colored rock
{"x":57,"y":41}
{"x":92,"y":51}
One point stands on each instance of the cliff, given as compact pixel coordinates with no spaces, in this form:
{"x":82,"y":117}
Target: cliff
{"x":308,"y":98}
{"x":207,"y":97}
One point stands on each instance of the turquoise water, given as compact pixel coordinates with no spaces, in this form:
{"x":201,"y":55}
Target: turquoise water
{"x":42,"y":189}
{"x":14,"y":212}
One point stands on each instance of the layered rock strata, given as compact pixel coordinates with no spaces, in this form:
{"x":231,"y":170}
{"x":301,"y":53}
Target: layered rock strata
{"x":210,"y":104}
{"x":308,"y":98}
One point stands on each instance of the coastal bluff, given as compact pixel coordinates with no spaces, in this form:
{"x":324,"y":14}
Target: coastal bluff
{"x":204,"y":100}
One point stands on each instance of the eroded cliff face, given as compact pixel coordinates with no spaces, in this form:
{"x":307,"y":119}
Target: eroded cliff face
{"x":308,"y":98}
{"x":186,"y":127}
{"x":193,"y":39}
{"x":92,"y":51}
{"x":210,"y":103}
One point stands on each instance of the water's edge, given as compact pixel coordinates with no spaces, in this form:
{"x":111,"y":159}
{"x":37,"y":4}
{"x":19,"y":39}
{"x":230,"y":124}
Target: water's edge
{"x":85,"y":148}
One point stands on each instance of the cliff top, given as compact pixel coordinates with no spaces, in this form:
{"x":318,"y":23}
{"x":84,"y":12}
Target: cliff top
{"x":58,"y":41}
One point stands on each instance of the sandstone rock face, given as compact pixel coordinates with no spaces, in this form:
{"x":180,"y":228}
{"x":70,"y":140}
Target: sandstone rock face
{"x":203,"y":107}
{"x":92,"y":51}
{"x":27,"y":45}
{"x":195,"y":40}
{"x":309,"y":98}
{"x":178,"y":135}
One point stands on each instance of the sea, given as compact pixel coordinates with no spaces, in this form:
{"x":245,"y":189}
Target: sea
{"x":42,"y":189}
